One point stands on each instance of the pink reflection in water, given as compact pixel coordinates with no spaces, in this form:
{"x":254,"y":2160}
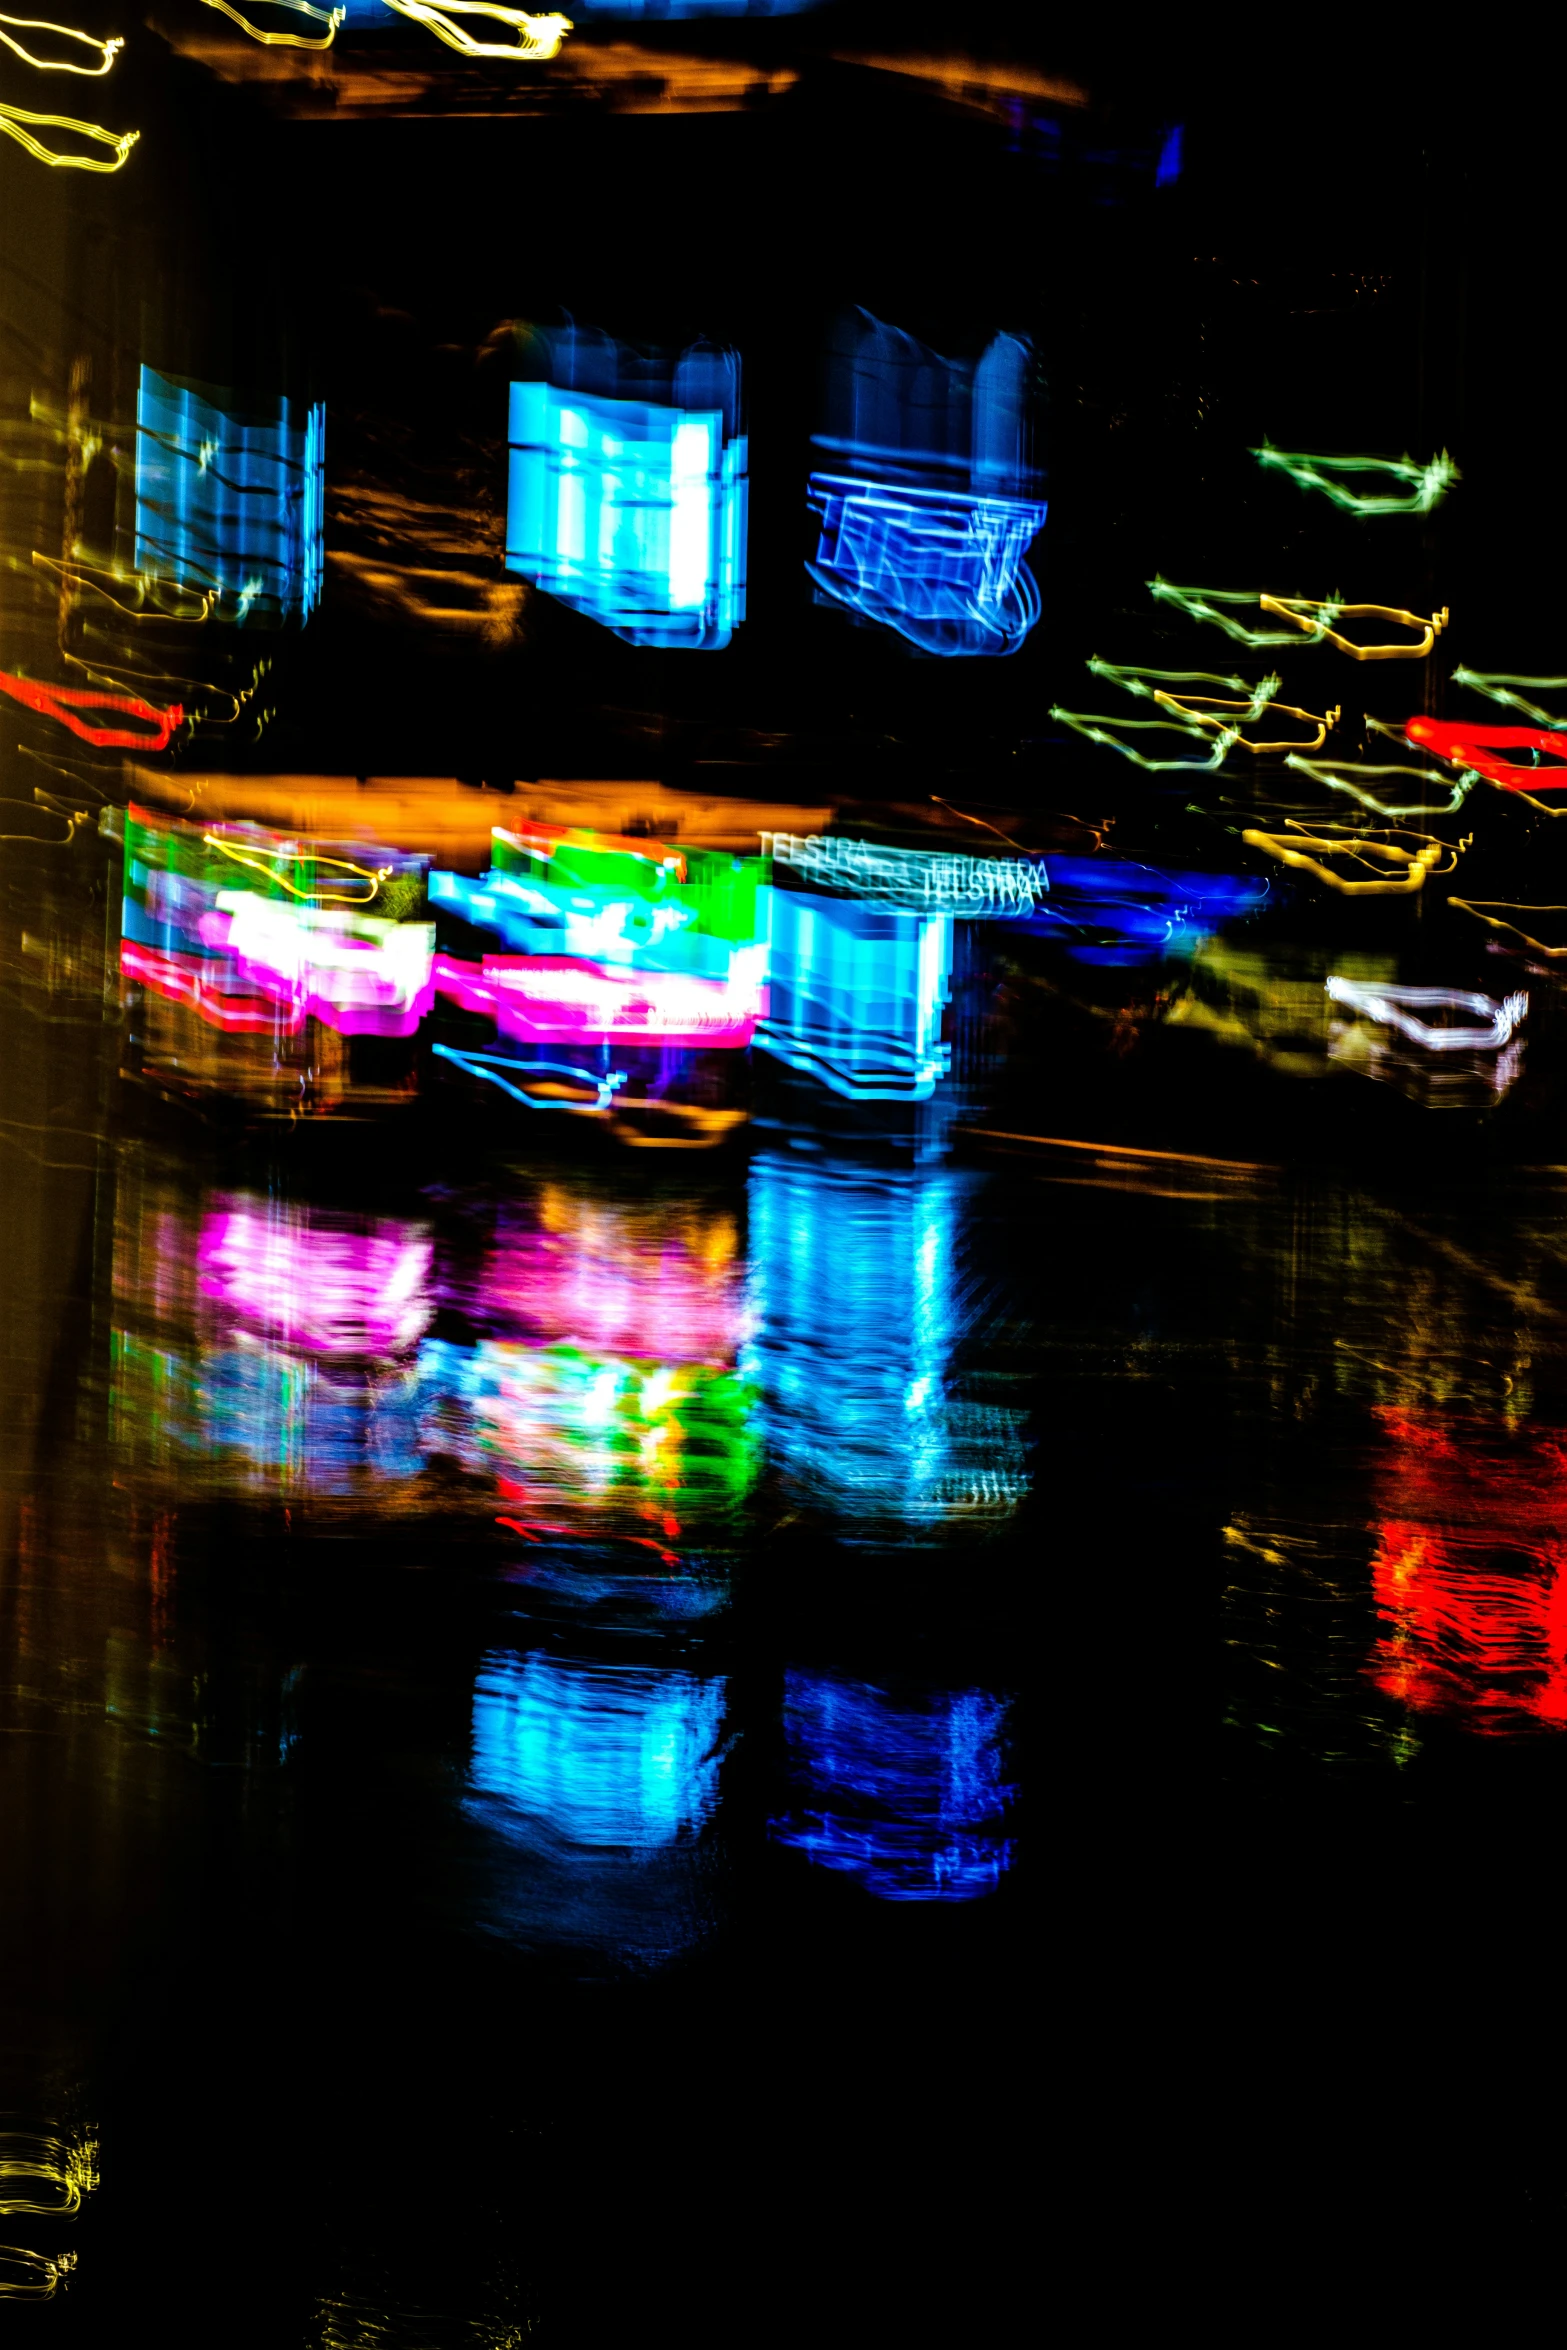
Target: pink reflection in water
{"x":327,"y":1284}
{"x":615,"y":1282}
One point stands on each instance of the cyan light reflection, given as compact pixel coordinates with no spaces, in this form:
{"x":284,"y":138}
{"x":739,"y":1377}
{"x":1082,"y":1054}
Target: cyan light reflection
{"x":924,"y":498}
{"x":860,"y":1301}
{"x":909,"y":1798}
{"x":598,"y":1755}
{"x":629,"y":507}
{"x":230,"y":505}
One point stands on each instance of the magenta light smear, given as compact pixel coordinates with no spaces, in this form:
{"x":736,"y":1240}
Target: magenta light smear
{"x":324,"y":1284}
{"x":564,"y":999}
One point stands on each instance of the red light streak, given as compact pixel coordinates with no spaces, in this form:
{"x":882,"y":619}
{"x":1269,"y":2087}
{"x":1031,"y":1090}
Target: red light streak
{"x":197,"y":980}
{"x":58,"y":701}
{"x":1480,"y":747}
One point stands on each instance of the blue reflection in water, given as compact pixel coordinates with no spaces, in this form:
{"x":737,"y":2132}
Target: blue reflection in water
{"x":928,"y":500}
{"x":909,"y":1798}
{"x":230,"y":504}
{"x":598,"y":1754}
{"x":860,"y":1302}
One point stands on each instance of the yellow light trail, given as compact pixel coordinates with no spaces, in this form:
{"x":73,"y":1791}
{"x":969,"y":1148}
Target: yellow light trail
{"x":1315,"y":615}
{"x":275,"y":857}
{"x":1302,"y":850}
{"x":537,"y":36}
{"x":330,"y":17}
{"x":108,"y":50}
{"x":13,"y":117}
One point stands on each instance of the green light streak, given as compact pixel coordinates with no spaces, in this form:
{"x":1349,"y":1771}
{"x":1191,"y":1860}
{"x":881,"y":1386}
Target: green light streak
{"x":1425,"y":485}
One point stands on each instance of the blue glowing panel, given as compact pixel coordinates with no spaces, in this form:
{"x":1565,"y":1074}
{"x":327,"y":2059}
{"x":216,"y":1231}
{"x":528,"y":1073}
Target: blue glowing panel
{"x":862,"y":1299}
{"x":1108,"y":910}
{"x":908,"y":1797}
{"x":598,"y":1755}
{"x":856,"y":995}
{"x":230,"y":505}
{"x":632,"y":509}
{"x":927,"y":498}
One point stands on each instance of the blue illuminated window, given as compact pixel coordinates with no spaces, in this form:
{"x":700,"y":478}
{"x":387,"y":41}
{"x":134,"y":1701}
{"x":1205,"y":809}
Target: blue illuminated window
{"x":857,"y":993}
{"x":632,"y":509}
{"x":228,"y":504}
{"x":927,"y":498}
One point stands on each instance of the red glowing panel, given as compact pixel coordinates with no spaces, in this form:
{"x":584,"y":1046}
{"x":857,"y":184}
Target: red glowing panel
{"x":1470,"y":1574}
{"x":1482,"y":747}
{"x":59,"y":701}
{"x":204,"y":983}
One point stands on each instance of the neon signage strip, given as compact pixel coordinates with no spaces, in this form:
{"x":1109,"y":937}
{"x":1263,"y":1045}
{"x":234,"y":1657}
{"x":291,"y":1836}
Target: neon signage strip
{"x":561,"y":999}
{"x":1302,"y":851}
{"x":1094,"y":727}
{"x":330,"y":17}
{"x":13,"y":117}
{"x":1398,"y":1007}
{"x":493,"y":1068}
{"x":944,"y":568}
{"x":924,"y":880}
{"x":631,"y":512}
{"x":107,"y":50}
{"x":1424,"y":486}
{"x":1480,"y":747}
{"x":537,"y":37}
{"x":1337,"y":778}
{"x":60,"y":701}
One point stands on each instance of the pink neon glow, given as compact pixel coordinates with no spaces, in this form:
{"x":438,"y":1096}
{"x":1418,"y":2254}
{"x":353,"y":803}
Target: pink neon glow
{"x":564,"y":999}
{"x":330,"y":1285}
{"x":612,"y":1282}
{"x":212,"y":987}
{"x":358,"y":986}
{"x":58,"y":702}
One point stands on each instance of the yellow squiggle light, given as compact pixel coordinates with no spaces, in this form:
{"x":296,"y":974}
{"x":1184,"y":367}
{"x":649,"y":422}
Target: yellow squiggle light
{"x":1480,"y":908}
{"x":1315,"y":615}
{"x":267,"y":862}
{"x":330,"y":17}
{"x":537,"y":36}
{"x":1302,"y":850}
{"x":1206,"y":710}
{"x":13,"y":117}
{"x":109,"y":50}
